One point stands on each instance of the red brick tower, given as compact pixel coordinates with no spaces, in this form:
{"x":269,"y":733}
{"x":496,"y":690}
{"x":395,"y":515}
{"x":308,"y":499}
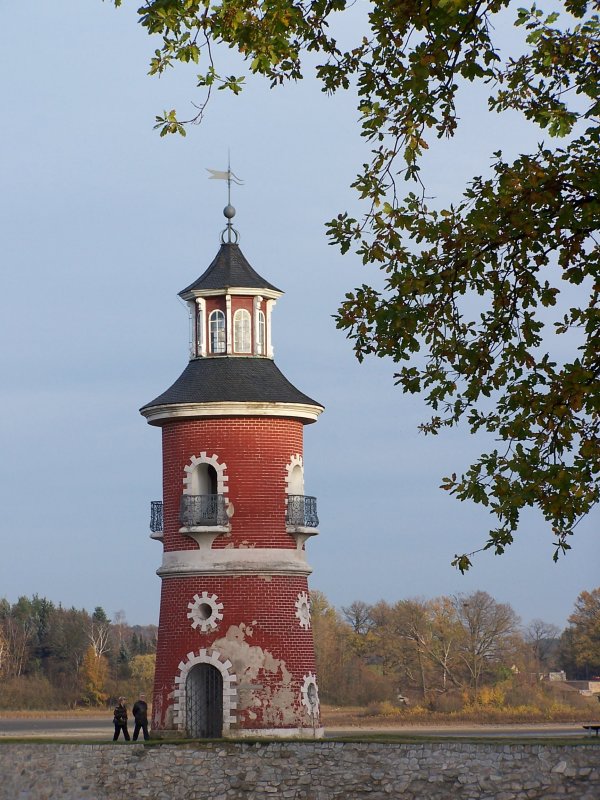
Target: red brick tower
{"x":235,"y":650}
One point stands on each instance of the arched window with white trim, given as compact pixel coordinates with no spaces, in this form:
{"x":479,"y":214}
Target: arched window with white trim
{"x":216,"y":326}
{"x":242,"y":341}
{"x":260,"y":344}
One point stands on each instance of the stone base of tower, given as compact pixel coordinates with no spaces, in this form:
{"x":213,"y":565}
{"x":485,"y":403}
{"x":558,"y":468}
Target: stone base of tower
{"x":278,"y":733}
{"x":173,"y":718}
{"x":248,"y":733}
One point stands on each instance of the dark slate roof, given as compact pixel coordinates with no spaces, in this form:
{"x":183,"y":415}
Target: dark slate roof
{"x":229,"y":268}
{"x":229,"y":379}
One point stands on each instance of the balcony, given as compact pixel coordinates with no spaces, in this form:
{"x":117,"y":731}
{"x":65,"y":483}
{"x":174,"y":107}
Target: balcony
{"x":203,"y":510}
{"x":301,"y":511}
{"x":156,"y":519}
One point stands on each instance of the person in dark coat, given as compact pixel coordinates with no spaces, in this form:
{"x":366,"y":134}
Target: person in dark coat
{"x":140,"y":713}
{"x":120,"y":720}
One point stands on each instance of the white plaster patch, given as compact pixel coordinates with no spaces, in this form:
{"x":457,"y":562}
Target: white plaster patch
{"x":303,"y":610}
{"x":205,"y":612}
{"x":277,"y":702}
{"x":310,"y":694}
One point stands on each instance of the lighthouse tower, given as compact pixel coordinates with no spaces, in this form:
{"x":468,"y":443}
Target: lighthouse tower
{"x":235,"y":653}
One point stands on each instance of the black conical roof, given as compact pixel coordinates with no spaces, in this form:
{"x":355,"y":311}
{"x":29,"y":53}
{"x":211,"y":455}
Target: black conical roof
{"x":229,"y":268}
{"x":226,"y":379}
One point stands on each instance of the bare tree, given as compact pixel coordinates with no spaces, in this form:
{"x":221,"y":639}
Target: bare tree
{"x":119,"y":626}
{"x":434,"y":630}
{"x":3,"y":651}
{"x":18,"y":634}
{"x":487,"y":630}
{"x":542,"y":637}
{"x":358,"y":615}
{"x":445,"y":635}
{"x":99,"y":633}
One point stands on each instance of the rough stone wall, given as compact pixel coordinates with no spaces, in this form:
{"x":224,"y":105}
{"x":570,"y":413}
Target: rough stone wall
{"x":299,"y":771}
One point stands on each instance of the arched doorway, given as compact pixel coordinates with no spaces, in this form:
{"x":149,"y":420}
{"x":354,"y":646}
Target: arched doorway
{"x":204,"y":702}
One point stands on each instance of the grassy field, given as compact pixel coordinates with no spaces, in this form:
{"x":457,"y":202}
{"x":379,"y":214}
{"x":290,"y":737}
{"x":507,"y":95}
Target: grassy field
{"x":382,"y":715}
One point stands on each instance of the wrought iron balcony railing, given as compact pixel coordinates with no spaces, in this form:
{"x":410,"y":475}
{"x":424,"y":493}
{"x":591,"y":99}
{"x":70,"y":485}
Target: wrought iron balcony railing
{"x":198,"y":510}
{"x":302,"y":511}
{"x":156,"y":516}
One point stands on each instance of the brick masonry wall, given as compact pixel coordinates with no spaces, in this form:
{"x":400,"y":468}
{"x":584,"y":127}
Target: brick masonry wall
{"x":300,"y":771}
{"x":256,"y":451}
{"x":259,"y":633}
{"x":270,"y":651}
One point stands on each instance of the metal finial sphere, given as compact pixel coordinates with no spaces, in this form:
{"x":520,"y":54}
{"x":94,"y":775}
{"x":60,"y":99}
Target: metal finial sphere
{"x":229,"y":211}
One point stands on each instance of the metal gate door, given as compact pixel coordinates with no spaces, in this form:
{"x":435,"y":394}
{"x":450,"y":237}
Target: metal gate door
{"x":204,"y":702}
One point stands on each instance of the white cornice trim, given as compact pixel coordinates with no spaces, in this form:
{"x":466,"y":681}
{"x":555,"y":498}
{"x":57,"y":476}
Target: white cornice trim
{"x":304,"y":411}
{"x":237,"y":290}
{"x":234,"y":561}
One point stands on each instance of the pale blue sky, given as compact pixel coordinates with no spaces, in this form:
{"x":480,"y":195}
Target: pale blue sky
{"x":103,"y":222}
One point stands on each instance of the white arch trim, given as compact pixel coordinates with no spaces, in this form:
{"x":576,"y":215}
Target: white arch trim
{"x":224,"y":666}
{"x":295,"y":461}
{"x":213,"y":460}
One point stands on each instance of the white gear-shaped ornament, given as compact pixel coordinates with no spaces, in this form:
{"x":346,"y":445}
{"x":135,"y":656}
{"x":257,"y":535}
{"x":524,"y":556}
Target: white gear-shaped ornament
{"x":303,"y":610}
{"x":310,"y":694}
{"x":205,"y":611}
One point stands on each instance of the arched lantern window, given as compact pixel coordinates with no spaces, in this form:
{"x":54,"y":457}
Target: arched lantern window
{"x":242,"y":342}
{"x":216,"y":325}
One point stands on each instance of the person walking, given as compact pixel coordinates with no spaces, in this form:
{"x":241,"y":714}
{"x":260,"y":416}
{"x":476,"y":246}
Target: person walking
{"x":140,"y":714}
{"x":120,"y":720}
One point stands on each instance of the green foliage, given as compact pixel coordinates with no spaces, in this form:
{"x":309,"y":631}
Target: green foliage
{"x":99,"y":616}
{"x":52,"y":657}
{"x":476,"y":296}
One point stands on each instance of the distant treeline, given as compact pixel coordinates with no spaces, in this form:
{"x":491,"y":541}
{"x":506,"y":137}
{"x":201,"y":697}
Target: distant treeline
{"x":443,"y":654}
{"x":450,"y":652}
{"x":55,"y":657}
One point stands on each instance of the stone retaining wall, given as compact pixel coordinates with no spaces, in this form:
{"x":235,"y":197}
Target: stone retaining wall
{"x":299,"y":771}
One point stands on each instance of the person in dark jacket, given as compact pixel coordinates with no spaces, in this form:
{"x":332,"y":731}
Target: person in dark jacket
{"x":120,"y":720}
{"x":140,"y":713}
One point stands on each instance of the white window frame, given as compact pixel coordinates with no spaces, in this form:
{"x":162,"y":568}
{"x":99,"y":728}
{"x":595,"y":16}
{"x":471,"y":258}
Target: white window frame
{"x":216,"y":332}
{"x":242,"y":331}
